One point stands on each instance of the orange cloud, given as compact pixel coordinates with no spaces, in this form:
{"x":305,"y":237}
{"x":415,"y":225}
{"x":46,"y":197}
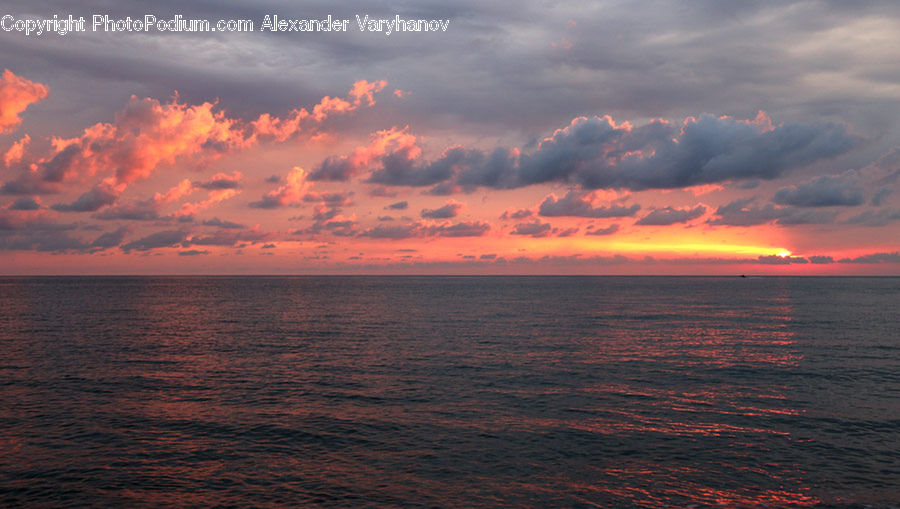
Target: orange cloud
{"x":148,"y":134}
{"x":16,"y":94}
{"x":15,"y":153}
{"x":384,"y":142}
{"x":215,"y":196}
{"x":145,"y":134}
{"x":291,"y":193}
{"x":362,"y":94}
{"x":182,"y":189}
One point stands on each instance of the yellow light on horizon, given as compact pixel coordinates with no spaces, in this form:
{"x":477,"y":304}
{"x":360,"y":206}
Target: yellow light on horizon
{"x":698,"y":248}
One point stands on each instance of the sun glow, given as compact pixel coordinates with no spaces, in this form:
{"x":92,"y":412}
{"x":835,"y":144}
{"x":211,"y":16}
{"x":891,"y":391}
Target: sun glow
{"x":698,"y":248}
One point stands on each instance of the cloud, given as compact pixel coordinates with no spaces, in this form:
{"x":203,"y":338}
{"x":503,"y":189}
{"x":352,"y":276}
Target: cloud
{"x":362,"y":93}
{"x":214,"y":197}
{"x":338,"y":199}
{"x":516,"y":214}
{"x":395,"y":143}
{"x":16,"y":94}
{"x":742,"y":212}
{"x":218,"y":223}
{"x":222,"y":181}
{"x":42,"y":240}
{"x":597,"y":153}
{"x":25,"y":203}
{"x":670,"y":215}
{"x":458,"y":163}
{"x":168,"y":238}
{"x":534,"y":229}
{"x":826,"y":191}
{"x":111,"y":239}
{"x":893,"y":257}
{"x":230,"y":237}
{"x":147,"y":209}
{"x":875,"y":218}
{"x":464,"y":229}
{"x":16,"y":151}
{"x":450,"y":210}
{"x":96,"y":198}
{"x":193,"y":252}
{"x":291,"y":193}
{"x":881,"y":195}
{"x":399,"y":231}
{"x":609,"y":230}
{"x":148,"y":133}
{"x":400,"y":205}
{"x":781,"y":260}
{"x":579,"y":204}
{"x":145,"y":134}
{"x":269,"y":127}
{"x":415,"y":229}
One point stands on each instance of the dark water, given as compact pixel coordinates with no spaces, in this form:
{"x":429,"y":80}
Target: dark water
{"x":459,"y":392}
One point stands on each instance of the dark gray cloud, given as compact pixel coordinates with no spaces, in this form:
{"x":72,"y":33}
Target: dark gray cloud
{"x":221,"y":181}
{"x":670,"y":215}
{"x":25,"y":203}
{"x":110,"y":239}
{"x":324,"y":214}
{"x":516,"y":214}
{"x":578,"y":204}
{"x":168,"y":238}
{"x":21,"y":231}
{"x":338,"y":199}
{"x":399,"y":231}
{"x":218,"y":223}
{"x":609,"y":230}
{"x":400,"y":205}
{"x":534,"y":229}
{"x":881,"y":195}
{"x":334,"y":168}
{"x":597,"y":153}
{"x":135,"y":210}
{"x":463,"y":229}
{"x":193,"y":252}
{"x":893,"y":257}
{"x":644,"y":58}
{"x":781,"y":260}
{"x":447,"y":211}
{"x":94,"y":199}
{"x":229,"y":237}
{"x":743,"y":212}
{"x":825,"y":191}
{"x":415,"y":229}
{"x":876,"y":217}
{"x":268,"y":202}
{"x":42,"y":241}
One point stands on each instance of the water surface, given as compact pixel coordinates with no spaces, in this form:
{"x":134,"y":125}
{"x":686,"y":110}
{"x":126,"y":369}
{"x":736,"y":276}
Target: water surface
{"x":449,"y":391}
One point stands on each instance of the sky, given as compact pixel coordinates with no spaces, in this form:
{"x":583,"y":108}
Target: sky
{"x":529,"y":137}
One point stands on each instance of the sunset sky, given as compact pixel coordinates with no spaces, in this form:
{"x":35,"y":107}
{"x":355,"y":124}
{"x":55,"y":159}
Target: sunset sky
{"x":627,"y":137}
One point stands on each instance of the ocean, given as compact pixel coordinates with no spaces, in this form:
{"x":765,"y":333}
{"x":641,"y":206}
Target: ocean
{"x":449,"y":391}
